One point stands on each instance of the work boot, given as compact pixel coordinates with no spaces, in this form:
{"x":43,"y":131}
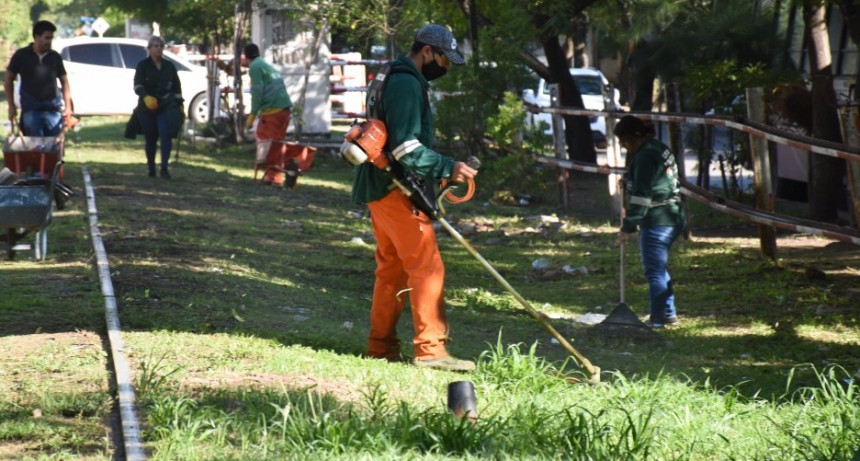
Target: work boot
{"x":165,"y":174}
{"x":446,"y":364}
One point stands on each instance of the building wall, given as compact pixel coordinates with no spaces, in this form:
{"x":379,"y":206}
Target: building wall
{"x":289,"y":45}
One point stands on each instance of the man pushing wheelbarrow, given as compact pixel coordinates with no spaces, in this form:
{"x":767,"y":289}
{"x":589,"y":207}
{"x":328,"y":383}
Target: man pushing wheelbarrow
{"x":269,"y":119}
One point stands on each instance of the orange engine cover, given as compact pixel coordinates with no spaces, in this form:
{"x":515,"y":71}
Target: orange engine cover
{"x":371,"y":136}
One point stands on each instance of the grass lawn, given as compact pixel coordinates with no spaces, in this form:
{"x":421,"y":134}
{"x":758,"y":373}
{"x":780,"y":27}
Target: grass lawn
{"x":245,"y":311}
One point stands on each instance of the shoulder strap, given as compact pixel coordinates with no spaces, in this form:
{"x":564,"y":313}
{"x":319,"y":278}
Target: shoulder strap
{"x":374,"y":105}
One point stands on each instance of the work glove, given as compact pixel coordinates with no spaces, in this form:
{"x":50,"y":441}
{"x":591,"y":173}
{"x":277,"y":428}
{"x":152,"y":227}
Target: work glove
{"x":249,"y":122}
{"x":182,"y":116}
{"x":150,"y":102}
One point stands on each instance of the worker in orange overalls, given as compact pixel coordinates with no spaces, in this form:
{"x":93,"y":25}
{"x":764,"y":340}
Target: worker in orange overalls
{"x":408,"y":262}
{"x":270,"y":106}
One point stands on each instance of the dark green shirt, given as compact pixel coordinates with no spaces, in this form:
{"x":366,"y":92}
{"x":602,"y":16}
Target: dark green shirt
{"x":652,"y":189}
{"x":409,"y":122}
{"x":267,"y":88}
{"x":162,"y":83}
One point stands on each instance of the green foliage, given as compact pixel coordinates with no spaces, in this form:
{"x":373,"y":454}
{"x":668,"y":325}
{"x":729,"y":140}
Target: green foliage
{"x":153,"y":376}
{"x":717,"y":84}
{"x":509,"y":369}
{"x":507,"y":124}
{"x":15,"y":24}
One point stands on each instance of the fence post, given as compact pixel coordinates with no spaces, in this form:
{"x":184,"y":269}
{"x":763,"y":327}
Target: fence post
{"x":761,"y":171}
{"x":613,"y":158}
{"x":673,"y":104}
{"x":850,"y":118}
{"x":559,"y":145}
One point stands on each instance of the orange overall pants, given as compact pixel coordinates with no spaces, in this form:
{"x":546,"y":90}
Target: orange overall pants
{"x":407,"y":263}
{"x":273,"y":126}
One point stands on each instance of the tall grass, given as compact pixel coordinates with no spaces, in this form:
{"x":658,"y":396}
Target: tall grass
{"x":526,"y":412}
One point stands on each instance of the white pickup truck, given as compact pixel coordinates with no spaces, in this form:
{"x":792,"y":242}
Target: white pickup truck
{"x":592,"y":84}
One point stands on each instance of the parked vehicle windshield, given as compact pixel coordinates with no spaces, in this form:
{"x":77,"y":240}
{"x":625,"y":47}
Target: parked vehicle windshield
{"x":587,"y":84}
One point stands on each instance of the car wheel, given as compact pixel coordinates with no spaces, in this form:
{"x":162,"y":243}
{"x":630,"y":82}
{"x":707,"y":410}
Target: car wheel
{"x":198,"y":111}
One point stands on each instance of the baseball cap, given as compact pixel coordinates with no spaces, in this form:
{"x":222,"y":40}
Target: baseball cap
{"x":440,"y":37}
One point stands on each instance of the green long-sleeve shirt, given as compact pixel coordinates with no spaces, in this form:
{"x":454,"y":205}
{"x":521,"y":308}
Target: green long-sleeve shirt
{"x":409,"y":122}
{"x":652,"y":188}
{"x":267,"y":88}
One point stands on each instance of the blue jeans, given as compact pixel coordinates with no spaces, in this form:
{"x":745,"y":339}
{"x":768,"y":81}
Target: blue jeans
{"x":654,"y":244}
{"x":156,"y":126}
{"x":41,"y":123}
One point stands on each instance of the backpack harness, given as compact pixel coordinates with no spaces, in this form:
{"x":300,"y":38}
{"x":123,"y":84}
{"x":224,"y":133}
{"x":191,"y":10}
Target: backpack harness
{"x":365,"y":142}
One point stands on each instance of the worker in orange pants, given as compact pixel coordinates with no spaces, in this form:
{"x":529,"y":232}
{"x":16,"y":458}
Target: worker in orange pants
{"x":270,"y":105}
{"x":408,"y":264}
{"x":273,"y":126}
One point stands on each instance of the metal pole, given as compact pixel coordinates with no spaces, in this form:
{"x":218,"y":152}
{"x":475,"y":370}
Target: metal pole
{"x":613,"y":158}
{"x":559,"y":145}
{"x":673,"y":102}
{"x":761,"y":171}
{"x":850,"y":118}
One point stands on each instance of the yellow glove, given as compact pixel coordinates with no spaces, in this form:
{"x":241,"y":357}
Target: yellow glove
{"x":150,"y":102}
{"x":182,"y":116}
{"x":249,"y":122}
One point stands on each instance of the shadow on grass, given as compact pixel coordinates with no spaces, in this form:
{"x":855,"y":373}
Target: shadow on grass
{"x":213,"y":252}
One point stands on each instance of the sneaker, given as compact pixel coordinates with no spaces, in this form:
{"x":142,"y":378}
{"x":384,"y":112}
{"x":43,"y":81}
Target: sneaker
{"x":668,"y":321}
{"x":446,"y":364}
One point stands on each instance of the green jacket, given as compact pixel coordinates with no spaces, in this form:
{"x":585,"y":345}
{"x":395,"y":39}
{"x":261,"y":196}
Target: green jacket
{"x":409,"y":121}
{"x":652,"y":189}
{"x":267,"y":88}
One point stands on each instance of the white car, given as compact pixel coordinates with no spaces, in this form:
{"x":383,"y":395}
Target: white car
{"x":592,"y":84}
{"x":101,"y":76}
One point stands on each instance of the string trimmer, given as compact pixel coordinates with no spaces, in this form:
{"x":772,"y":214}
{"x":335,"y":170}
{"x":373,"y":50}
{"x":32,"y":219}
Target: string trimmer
{"x":364,"y":144}
{"x":591,"y":370}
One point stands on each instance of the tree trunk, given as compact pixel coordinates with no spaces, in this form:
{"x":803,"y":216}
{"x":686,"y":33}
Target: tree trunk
{"x":577,"y":132}
{"x":579,"y":40}
{"x":242,"y":18}
{"x":473,"y":33}
{"x":825,"y":176}
{"x":395,"y":7}
{"x":851,"y":12}
{"x":641,"y":78}
{"x":311,"y":59}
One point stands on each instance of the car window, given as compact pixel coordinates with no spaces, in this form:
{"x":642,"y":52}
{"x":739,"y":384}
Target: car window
{"x":587,"y":84}
{"x":97,"y":54}
{"x":132,"y":54}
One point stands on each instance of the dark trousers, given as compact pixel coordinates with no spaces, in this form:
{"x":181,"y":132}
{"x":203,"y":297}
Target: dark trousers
{"x":155,"y":126}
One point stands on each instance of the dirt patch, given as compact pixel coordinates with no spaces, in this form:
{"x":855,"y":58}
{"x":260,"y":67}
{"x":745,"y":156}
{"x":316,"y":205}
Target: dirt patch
{"x":17,"y":348}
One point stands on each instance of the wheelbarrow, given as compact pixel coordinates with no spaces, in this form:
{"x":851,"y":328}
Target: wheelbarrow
{"x":283,"y":162}
{"x":33,"y":155}
{"x":26,"y":207}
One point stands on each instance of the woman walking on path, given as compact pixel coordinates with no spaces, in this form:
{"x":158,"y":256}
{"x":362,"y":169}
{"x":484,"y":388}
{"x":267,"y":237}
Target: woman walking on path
{"x":160,"y":104}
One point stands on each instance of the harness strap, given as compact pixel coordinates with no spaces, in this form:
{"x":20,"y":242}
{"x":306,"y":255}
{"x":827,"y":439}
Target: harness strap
{"x":648,"y":203}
